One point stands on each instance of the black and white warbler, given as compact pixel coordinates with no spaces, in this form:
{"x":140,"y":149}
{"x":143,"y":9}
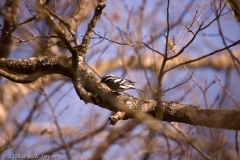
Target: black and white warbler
{"x":117,"y":84}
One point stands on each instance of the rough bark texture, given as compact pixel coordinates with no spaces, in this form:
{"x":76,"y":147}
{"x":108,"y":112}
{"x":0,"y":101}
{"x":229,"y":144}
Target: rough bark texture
{"x":98,"y":95}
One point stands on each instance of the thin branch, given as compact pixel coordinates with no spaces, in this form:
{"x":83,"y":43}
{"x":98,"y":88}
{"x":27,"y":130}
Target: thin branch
{"x":160,"y":110}
{"x":55,"y":26}
{"x":236,"y":144}
{"x":217,"y":17}
{"x":120,"y":34}
{"x":34,"y":37}
{"x":66,"y":24}
{"x":183,"y":48}
{"x":81,"y":138}
{"x":101,"y":40}
{"x":128,"y":44}
{"x":66,"y":147}
{"x":225,"y":89}
{"x":225,"y":44}
{"x":204,"y":90}
{"x":31,"y":38}
{"x":168,"y":29}
{"x":190,"y":141}
{"x":202,"y":57}
{"x":86,"y":39}
{"x":193,"y":79}
{"x":178,"y":84}
{"x":151,"y":48}
{"x":200,"y":28}
{"x":18,"y":24}
{"x":192,"y":24}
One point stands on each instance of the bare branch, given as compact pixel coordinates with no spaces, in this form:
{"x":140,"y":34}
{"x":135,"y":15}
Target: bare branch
{"x":17,"y":25}
{"x":30,"y":69}
{"x":192,"y":24}
{"x":66,"y":24}
{"x":190,"y":141}
{"x":151,"y":48}
{"x":226,"y":91}
{"x":178,"y":84}
{"x":56,"y":123}
{"x":86,"y":39}
{"x":160,"y":111}
{"x":128,"y":44}
{"x":183,"y":48}
{"x":45,"y":13}
{"x":236,"y":144}
{"x":202,"y":57}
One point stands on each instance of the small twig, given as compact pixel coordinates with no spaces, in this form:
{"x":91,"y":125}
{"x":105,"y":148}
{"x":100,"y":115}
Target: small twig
{"x":213,"y":9}
{"x":192,"y":24}
{"x":66,"y":24}
{"x":193,"y":38}
{"x":27,"y":20}
{"x":204,"y":90}
{"x":17,"y":25}
{"x":120,"y":34}
{"x":129,"y":44}
{"x":151,"y":48}
{"x":178,"y":84}
{"x":215,"y":101}
{"x":194,"y":18}
{"x":168,"y":30}
{"x":31,"y":38}
{"x":199,"y":29}
{"x":101,"y":40}
{"x":193,"y":79}
{"x":34,"y":37}
{"x":217,"y":17}
{"x":88,"y":34}
{"x":190,"y":141}
{"x":225,"y":89}
{"x":236,"y":144}
{"x":189,"y":30}
{"x":56,"y":123}
{"x":234,"y":58}
{"x":160,"y":110}
{"x":202,"y":57}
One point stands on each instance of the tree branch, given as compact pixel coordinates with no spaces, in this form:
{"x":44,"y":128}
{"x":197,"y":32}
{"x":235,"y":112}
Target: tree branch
{"x":86,"y":39}
{"x":30,"y":69}
{"x":100,"y":96}
{"x":202,"y":57}
{"x":59,"y":31}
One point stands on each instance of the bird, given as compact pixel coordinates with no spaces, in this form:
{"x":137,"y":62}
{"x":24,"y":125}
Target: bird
{"x":118,"y":84}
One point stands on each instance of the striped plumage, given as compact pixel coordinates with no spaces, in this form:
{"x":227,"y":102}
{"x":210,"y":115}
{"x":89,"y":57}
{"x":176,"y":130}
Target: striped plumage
{"x":116,"y":83}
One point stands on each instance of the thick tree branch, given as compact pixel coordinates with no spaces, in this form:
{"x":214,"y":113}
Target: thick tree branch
{"x":174,"y":112}
{"x":100,"y":96}
{"x":30,"y":69}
